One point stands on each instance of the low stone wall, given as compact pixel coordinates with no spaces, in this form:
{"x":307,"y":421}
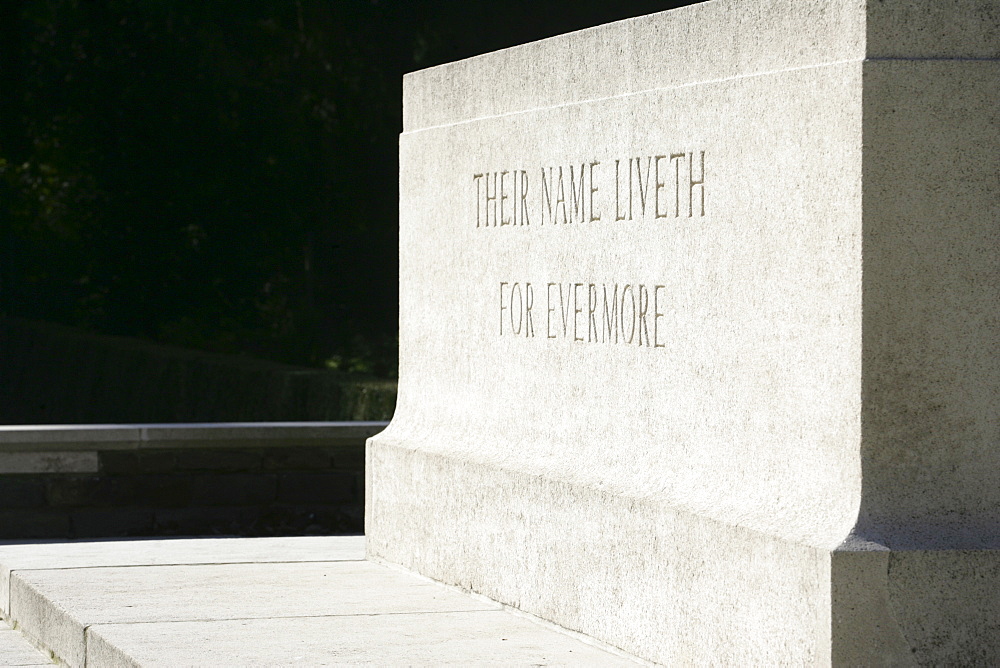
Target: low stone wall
{"x":261,"y":479}
{"x":51,"y":374}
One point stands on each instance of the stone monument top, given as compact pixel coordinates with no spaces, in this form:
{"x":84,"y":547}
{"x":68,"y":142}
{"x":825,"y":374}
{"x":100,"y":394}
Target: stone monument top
{"x":699,"y":331}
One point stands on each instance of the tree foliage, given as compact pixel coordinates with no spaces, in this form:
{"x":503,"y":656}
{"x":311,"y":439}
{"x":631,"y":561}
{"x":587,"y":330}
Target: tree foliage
{"x":223,"y":175}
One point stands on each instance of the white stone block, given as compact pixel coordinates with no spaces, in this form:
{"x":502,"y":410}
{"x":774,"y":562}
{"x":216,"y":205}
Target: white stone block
{"x":699,"y":332}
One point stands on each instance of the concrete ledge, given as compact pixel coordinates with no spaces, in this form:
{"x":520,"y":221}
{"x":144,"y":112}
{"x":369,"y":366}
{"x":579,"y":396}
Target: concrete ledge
{"x":247,"y":479}
{"x":35,"y":438}
{"x":260,"y":602}
{"x":49,"y":461}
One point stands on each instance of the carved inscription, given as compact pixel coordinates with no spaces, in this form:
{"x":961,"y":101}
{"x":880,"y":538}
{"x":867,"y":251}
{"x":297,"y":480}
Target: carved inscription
{"x":646,"y":188}
{"x":671,"y":185}
{"x":605,"y":313}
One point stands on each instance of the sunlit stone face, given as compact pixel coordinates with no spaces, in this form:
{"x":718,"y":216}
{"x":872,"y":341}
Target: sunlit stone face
{"x":698,"y":326}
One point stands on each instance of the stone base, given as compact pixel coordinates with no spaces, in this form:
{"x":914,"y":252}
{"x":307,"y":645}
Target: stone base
{"x":668,"y":585}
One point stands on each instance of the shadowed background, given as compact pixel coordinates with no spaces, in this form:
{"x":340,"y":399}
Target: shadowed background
{"x":222,"y":176}
{"x":198,"y":223}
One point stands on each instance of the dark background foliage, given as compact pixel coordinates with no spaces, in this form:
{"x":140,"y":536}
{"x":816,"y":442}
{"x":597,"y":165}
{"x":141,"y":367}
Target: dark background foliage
{"x":222,"y":174}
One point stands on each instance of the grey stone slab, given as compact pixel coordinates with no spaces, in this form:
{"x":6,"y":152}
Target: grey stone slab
{"x":477,"y":638}
{"x":56,"y":606}
{"x":15,"y":650}
{"x":259,"y":433}
{"x":68,"y":437}
{"x":49,"y":462}
{"x":35,"y":438}
{"x":90,"y":554}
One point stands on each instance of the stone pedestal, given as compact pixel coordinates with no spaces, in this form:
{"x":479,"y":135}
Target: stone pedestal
{"x":699,"y":321}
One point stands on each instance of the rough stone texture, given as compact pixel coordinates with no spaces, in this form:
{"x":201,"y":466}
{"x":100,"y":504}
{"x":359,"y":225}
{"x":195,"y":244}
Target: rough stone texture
{"x":609,"y":566}
{"x":931,"y":368}
{"x":804,"y":472}
{"x":16,"y":651}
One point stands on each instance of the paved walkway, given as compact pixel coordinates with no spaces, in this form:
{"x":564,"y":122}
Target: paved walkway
{"x":256,"y":602}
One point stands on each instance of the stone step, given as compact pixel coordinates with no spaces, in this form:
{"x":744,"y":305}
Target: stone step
{"x":261,"y":601}
{"x":15,"y":650}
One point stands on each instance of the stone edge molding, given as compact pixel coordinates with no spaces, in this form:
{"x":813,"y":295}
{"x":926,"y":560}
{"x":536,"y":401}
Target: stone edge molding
{"x":913,"y":581}
{"x":705,"y":42}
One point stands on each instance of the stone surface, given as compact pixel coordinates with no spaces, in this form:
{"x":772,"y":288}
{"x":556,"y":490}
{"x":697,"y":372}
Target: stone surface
{"x":178,"y":603}
{"x":699,"y":332}
{"x":60,"y":605}
{"x":413,"y":639}
{"x":16,"y":651}
{"x":181,"y":551}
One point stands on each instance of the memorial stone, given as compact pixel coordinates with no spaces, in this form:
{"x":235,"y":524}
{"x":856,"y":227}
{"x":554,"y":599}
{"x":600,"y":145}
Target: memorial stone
{"x":699,"y":321}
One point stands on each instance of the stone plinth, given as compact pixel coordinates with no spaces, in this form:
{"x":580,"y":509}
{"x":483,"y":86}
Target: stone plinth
{"x":699,"y":329}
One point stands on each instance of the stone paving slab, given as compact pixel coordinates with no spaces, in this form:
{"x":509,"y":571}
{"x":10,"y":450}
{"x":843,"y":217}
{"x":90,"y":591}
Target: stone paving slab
{"x":429,"y":639}
{"x":232,"y":602}
{"x":177,"y":551}
{"x":56,"y":606}
{"x":15,"y":650}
